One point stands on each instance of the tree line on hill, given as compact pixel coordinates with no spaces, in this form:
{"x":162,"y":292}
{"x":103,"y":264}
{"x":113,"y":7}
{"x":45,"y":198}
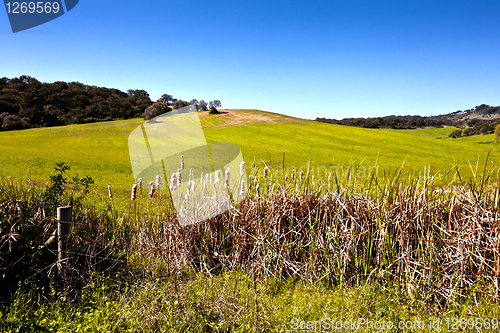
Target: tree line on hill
{"x":396,"y":122}
{"x":475,"y":127}
{"x":25,"y":102}
{"x":479,"y":120}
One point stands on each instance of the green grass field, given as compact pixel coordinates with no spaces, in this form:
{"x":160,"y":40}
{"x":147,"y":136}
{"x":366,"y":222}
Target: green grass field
{"x":231,"y":282}
{"x":101,"y":149}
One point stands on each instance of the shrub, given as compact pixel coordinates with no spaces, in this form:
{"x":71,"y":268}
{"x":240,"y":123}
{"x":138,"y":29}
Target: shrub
{"x":455,"y":134}
{"x":497,"y":132}
{"x":155,"y":110}
{"x":213,"y":105}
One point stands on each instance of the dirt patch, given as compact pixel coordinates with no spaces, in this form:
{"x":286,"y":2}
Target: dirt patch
{"x":241,"y":117}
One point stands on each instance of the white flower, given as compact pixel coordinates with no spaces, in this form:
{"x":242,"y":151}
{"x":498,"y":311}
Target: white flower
{"x":242,"y":190}
{"x":151,"y":189}
{"x":228,"y":176}
{"x":179,"y":178}
{"x":242,"y":168}
{"x":134,"y":192}
{"x":173,"y":181}
{"x":217,"y":177}
{"x":110,"y":194}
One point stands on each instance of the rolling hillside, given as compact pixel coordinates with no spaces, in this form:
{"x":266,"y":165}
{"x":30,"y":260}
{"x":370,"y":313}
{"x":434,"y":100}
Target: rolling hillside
{"x":101,"y":149}
{"x":481,"y":119}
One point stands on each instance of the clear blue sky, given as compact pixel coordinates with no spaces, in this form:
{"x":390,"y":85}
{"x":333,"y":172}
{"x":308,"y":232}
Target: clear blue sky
{"x":335,"y":59}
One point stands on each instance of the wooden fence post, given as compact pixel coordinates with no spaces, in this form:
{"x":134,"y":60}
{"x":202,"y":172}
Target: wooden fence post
{"x":64,"y":224}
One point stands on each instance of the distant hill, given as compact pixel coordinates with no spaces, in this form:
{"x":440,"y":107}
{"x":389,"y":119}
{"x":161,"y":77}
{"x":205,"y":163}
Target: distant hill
{"x":481,"y":112}
{"x":101,"y":150}
{"x":480,"y":120}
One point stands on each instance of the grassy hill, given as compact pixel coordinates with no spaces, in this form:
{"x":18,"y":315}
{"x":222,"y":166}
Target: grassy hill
{"x":404,"y":254}
{"x":101,"y":149}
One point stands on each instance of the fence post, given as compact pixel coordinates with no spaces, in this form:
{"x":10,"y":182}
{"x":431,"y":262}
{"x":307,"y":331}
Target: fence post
{"x":64,"y":224}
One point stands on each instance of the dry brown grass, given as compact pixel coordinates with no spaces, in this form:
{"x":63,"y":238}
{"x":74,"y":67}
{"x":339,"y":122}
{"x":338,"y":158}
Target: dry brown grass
{"x":436,"y":244}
